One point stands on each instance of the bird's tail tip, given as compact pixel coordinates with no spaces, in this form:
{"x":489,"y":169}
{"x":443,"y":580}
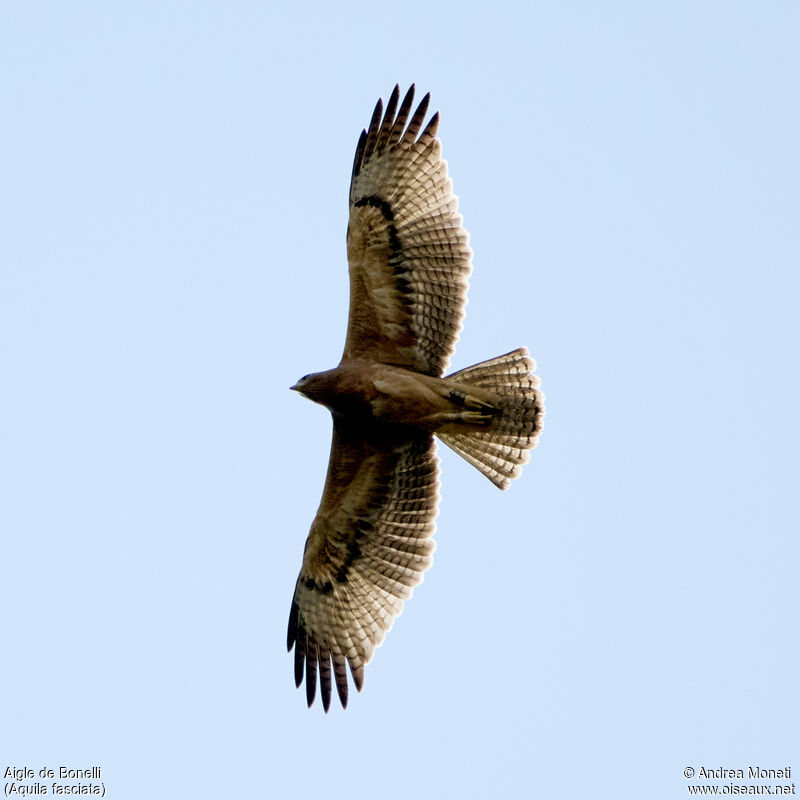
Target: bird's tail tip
{"x":501,"y":448}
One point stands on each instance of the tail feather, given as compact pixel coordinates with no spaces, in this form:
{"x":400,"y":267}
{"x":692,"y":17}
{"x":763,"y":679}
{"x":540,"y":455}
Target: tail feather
{"x":500,"y":448}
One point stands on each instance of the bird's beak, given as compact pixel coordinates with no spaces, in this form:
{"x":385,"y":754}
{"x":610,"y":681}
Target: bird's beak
{"x":293,"y":388}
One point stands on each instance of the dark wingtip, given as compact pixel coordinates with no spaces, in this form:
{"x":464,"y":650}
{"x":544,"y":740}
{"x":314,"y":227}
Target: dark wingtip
{"x":432,"y":127}
{"x":291,"y":634}
{"x":358,"y":676}
{"x":377,"y":114}
{"x":340,"y":677}
{"x":311,"y":674}
{"x":389,"y":129}
{"x":359,"y":157}
{"x":372,"y":130}
{"x":325,"y":677}
{"x":417,"y":119}
{"x":299,"y":662}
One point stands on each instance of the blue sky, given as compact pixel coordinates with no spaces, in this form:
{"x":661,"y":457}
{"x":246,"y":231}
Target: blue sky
{"x":173,"y":206}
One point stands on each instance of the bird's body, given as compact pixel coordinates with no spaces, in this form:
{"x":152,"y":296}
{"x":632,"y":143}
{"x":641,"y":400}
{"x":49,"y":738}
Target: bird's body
{"x":370,"y":542}
{"x":378,"y":396}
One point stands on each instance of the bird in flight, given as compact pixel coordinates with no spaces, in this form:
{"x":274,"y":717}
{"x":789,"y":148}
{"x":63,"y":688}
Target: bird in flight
{"x":370,"y":542}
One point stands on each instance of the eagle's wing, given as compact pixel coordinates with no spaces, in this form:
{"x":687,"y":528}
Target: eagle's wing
{"x":368,"y":546}
{"x":409,"y":256}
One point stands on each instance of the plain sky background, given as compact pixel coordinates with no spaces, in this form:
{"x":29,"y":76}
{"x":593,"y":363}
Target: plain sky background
{"x":173,"y":201}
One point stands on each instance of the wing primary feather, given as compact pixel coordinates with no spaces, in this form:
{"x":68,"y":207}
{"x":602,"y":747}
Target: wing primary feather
{"x":291,"y":635}
{"x":358,"y":676}
{"x":311,"y":673}
{"x":359,"y":159}
{"x":416,"y":121}
{"x":432,"y":127}
{"x":325,"y":678}
{"x":402,"y":116}
{"x":372,"y":131}
{"x":388,"y":119}
{"x":340,"y":674}
{"x":299,"y":659}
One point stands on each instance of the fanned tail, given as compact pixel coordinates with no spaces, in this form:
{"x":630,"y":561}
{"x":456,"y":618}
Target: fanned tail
{"x":500,"y":447}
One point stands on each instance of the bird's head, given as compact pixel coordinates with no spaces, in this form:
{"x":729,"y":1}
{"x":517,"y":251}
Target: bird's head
{"x":301,"y":384}
{"x":312,"y":386}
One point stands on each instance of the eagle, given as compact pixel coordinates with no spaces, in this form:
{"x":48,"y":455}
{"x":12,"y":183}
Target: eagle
{"x":371,"y":540}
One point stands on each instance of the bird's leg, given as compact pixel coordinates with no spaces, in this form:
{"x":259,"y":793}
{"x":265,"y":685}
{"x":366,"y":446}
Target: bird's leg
{"x":472,"y":403}
{"x":469,"y":409}
{"x":445,"y":417}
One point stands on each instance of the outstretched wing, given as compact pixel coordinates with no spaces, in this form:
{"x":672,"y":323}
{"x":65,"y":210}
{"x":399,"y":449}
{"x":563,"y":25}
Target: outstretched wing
{"x":368,"y":547}
{"x":409,"y":256}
